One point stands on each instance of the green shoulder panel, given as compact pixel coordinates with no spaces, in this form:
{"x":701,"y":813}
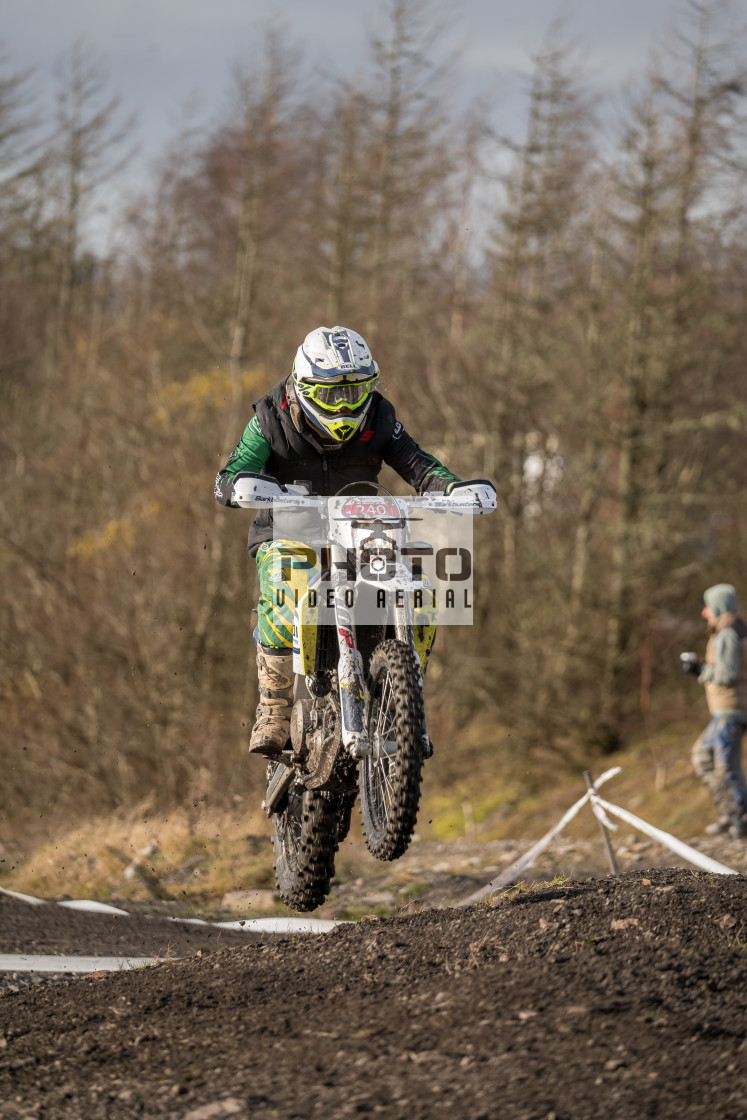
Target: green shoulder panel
{"x":252,"y":451}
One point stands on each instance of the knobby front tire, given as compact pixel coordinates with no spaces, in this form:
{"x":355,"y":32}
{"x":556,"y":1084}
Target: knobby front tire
{"x":390,"y":784}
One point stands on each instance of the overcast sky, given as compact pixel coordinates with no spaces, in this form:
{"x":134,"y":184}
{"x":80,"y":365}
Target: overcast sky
{"x":162,"y":55}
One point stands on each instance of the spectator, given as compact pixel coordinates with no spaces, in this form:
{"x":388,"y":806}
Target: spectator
{"x":716,"y":754}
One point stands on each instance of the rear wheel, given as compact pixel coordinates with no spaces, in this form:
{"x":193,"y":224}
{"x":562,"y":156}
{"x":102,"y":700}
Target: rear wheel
{"x":389,"y":779}
{"x":304,"y":841}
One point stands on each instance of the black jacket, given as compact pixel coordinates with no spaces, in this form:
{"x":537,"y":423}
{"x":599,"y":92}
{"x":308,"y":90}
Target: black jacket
{"x":280,"y":442}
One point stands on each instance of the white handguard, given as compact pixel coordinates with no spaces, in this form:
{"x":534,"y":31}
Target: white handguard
{"x":254,"y":491}
{"x":479,"y":492}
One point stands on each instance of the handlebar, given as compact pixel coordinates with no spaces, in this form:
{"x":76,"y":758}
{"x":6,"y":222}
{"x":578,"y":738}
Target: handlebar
{"x":253,"y":491}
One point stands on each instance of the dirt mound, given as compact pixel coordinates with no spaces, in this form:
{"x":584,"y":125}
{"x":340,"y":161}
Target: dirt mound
{"x":623,"y":997}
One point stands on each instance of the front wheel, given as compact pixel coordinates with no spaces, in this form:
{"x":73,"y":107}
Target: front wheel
{"x":304,"y":842}
{"x":389,"y":779}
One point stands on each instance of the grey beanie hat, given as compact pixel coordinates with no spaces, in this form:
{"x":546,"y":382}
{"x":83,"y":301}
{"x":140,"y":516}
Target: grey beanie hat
{"x":722,"y":599}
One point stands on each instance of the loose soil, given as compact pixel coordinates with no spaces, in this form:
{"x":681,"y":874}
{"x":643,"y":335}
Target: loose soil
{"x":620,"y":997}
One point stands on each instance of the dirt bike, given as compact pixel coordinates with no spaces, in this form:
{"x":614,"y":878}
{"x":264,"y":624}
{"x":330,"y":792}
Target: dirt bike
{"x":362,"y":631}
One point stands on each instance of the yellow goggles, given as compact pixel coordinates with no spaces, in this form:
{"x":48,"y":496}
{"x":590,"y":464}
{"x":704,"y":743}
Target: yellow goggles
{"x":338,"y":395}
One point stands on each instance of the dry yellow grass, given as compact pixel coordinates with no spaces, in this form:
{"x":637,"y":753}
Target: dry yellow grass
{"x":195,"y":857}
{"x":136,"y":855}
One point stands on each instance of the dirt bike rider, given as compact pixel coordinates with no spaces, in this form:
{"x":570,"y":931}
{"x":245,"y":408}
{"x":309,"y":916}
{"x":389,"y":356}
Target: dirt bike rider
{"x":325,"y":424}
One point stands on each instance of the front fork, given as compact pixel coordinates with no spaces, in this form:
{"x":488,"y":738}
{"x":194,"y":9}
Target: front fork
{"x":351,"y":678}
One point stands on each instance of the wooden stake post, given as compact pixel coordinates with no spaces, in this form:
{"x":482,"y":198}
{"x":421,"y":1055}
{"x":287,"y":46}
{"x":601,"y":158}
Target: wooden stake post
{"x":602,"y":829}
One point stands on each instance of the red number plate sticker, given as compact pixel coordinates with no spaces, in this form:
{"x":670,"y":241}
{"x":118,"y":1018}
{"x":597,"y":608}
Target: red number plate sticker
{"x":369,"y":509}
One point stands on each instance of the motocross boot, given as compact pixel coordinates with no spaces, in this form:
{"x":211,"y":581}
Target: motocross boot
{"x":272,"y":727}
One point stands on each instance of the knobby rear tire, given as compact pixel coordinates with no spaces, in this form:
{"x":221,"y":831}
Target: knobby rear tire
{"x":390,"y":787}
{"x":304,"y":841}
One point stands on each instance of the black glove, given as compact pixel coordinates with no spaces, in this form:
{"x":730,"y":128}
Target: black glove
{"x":689,"y":664}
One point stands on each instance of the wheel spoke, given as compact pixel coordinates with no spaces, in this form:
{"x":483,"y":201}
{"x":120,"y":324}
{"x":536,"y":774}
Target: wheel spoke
{"x":385,"y":704}
{"x":382,"y":768}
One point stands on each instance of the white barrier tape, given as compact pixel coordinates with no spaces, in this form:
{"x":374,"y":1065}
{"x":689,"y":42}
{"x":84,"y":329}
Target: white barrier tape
{"x":281,"y":924}
{"x":692,"y":855}
{"x":611,"y":773}
{"x":23,"y":897}
{"x":30,"y":962}
{"x":596,"y":807}
{"x":511,"y":873}
{"x":525,"y":861}
{"x":86,"y":904}
{"x":91,"y":907}
{"x":600,"y":809}
{"x":259,"y":925}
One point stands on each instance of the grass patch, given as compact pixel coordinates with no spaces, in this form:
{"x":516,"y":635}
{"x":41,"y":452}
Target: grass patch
{"x":503,"y":802}
{"x":179,"y":858}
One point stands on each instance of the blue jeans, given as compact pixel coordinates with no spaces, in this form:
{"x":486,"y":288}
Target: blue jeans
{"x":717,"y":759}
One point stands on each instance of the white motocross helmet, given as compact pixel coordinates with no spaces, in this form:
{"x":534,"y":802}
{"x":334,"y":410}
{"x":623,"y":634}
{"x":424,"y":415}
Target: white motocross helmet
{"x":334,"y":377}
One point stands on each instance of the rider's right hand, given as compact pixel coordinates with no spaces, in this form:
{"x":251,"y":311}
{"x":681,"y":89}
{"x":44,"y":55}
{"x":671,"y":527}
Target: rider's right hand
{"x":251,"y":489}
{"x":464,"y":483}
{"x":481,"y":490}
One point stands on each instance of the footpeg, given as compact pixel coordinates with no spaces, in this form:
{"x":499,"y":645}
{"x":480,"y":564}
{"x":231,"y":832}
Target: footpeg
{"x":281,"y":782}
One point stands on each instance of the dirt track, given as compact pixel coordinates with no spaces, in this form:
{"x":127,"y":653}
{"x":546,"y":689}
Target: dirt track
{"x":624,"y":997}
